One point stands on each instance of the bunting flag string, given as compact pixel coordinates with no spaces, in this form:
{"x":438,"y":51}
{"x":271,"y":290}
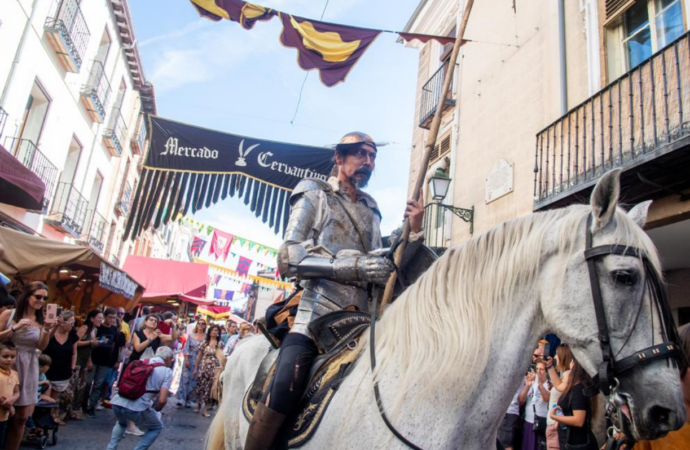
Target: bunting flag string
{"x":330,"y":48}
{"x":188,"y":168}
{"x":245,"y":278}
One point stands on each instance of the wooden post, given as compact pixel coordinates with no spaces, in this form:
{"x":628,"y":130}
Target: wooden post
{"x":431,"y":142}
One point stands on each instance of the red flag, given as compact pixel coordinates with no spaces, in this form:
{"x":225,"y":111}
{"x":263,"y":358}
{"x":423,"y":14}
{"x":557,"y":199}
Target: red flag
{"x":244,"y":265}
{"x":220,"y":244}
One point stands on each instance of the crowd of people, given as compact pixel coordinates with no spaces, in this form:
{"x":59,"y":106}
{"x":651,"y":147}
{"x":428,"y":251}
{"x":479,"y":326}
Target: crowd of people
{"x":550,"y":410}
{"x":72,"y":365}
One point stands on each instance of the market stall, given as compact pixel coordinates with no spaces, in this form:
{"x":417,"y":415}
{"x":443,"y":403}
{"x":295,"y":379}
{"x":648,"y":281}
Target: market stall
{"x":76,"y":276}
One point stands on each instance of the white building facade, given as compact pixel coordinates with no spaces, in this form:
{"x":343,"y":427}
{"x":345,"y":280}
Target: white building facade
{"x":72,"y":109}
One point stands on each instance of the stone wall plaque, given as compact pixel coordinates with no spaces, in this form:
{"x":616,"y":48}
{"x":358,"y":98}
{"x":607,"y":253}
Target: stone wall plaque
{"x":499,"y":182}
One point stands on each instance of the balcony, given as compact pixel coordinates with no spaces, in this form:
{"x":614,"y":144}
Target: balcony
{"x":29,"y":155}
{"x":639,"y":123}
{"x":115,"y":135}
{"x":68,"y":34}
{"x":122,"y":206}
{"x":97,"y":231}
{"x":115,"y":260}
{"x":3,"y":120}
{"x":138,"y":142}
{"x":68,"y":211}
{"x":95,"y":93}
{"x":431,"y":97}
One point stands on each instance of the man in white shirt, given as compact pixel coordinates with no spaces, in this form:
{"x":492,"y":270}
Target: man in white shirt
{"x":145,"y":411}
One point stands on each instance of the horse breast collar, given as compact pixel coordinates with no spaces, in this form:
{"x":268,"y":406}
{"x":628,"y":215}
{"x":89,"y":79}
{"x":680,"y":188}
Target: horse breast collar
{"x":605,"y":380}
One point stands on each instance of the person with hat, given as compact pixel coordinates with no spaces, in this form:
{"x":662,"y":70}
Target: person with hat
{"x":333,"y":229}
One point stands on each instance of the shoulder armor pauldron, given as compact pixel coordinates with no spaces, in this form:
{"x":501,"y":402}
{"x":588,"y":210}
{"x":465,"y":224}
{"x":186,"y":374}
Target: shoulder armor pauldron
{"x":309,"y":184}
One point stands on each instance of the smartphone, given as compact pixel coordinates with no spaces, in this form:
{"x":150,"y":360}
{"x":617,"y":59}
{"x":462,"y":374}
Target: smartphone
{"x":547,"y":350}
{"x":59,"y":311}
{"x":51,"y":313}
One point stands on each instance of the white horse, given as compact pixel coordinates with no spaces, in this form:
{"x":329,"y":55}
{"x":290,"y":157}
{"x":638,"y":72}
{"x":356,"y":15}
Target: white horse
{"x":454,"y":347}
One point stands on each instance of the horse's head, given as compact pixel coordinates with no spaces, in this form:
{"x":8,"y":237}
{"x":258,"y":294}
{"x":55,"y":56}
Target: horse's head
{"x":649,"y":394}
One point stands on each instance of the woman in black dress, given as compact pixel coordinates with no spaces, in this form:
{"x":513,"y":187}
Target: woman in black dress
{"x":576,"y":412}
{"x":62,"y":349}
{"x":148,"y":337}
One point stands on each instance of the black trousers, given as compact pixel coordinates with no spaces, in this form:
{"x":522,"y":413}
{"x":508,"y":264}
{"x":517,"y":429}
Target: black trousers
{"x":297,"y":353}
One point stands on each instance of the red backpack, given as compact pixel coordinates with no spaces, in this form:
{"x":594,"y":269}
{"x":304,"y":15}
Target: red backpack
{"x":132,"y":383}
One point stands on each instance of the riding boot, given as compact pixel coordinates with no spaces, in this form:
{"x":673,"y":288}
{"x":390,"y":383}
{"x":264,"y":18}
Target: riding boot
{"x":264,"y":428}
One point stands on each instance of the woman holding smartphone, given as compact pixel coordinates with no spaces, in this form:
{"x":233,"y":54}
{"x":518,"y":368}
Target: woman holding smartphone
{"x":26,"y":327}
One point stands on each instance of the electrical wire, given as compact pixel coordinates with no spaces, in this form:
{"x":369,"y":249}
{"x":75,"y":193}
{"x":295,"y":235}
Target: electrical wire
{"x":299,"y":99}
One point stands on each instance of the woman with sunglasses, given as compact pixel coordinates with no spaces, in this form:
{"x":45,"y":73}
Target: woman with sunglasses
{"x":185,"y":394}
{"x":149,"y":336}
{"x":26,"y":328}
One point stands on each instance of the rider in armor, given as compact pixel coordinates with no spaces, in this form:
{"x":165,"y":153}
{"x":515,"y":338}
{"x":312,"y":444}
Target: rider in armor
{"x":333,"y":229}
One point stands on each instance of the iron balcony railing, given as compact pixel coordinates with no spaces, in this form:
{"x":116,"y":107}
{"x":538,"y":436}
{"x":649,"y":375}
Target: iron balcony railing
{"x":122,"y":206}
{"x":29,"y":155}
{"x":139,"y":141}
{"x":431,"y":97}
{"x":115,"y":260}
{"x":3,"y":120}
{"x":68,"y":33}
{"x":640,"y":116}
{"x":68,"y":211}
{"x":116,"y":133}
{"x":97,"y":231}
{"x":96,"y":91}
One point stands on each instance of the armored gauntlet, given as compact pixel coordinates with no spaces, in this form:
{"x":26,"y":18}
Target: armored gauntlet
{"x":367,"y":268}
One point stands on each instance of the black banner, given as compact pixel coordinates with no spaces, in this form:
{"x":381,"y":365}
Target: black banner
{"x":188,"y":168}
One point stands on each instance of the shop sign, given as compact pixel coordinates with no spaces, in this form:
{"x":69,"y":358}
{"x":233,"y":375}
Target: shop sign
{"x":116,"y":281}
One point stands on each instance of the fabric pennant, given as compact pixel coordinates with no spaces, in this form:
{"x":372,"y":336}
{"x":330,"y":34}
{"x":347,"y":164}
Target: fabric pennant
{"x":331,"y":49}
{"x":197,"y":246}
{"x":243,"y":265}
{"x":220,"y":244}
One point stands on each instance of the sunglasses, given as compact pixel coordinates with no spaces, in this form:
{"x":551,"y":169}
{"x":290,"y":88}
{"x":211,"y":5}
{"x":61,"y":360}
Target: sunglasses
{"x":120,"y":314}
{"x":536,"y":355}
{"x":40,"y":298}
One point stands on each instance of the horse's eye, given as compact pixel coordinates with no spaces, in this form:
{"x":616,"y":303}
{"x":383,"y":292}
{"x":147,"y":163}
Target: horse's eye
{"x":624,"y":277}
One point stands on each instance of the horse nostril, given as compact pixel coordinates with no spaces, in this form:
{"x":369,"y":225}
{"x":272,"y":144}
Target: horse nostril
{"x":663,"y":417}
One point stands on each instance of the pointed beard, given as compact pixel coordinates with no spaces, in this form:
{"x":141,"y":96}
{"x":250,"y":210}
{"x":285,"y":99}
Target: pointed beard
{"x":360,"y":182}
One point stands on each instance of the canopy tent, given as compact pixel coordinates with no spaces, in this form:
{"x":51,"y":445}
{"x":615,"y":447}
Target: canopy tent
{"x":164,"y":279}
{"x":76,"y":275}
{"x":19,"y":186}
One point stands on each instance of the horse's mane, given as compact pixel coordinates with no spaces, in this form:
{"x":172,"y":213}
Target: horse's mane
{"x":444,"y":322}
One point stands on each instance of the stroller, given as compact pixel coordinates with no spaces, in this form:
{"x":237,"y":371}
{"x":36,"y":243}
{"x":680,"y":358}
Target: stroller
{"x":45,"y":429}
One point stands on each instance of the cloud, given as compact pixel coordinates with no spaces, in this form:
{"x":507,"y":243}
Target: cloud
{"x":202,"y":51}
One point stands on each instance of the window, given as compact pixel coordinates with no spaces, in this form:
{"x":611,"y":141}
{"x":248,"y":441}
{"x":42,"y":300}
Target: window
{"x":644,"y":28}
{"x":71,"y":162}
{"x":103,"y":48}
{"x":35,"y":114}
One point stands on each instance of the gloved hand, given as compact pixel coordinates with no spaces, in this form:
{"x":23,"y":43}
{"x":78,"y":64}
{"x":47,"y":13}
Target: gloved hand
{"x":367,"y":268}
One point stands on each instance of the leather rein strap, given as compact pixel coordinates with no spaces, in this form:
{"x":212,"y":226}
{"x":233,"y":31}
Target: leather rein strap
{"x":609,"y":368}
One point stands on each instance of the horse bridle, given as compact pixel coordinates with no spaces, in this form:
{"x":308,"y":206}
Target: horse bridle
{"x":605,"y":380}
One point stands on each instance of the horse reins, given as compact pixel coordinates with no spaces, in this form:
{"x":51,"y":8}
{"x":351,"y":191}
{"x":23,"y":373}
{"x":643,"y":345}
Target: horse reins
{"x":605,"y":379}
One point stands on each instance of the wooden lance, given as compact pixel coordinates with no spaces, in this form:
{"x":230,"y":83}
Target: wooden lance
{"x":431,"y":143}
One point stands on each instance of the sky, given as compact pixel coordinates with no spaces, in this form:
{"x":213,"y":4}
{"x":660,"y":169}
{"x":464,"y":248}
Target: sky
{"x":220,"y":76}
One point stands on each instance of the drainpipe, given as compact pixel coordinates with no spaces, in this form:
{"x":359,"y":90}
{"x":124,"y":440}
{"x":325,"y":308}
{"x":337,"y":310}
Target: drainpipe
{"x":20,"y":50}
{"x":562,"y":57}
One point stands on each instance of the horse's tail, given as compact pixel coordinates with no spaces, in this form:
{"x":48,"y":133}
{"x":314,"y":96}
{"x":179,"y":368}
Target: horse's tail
{"x":215,"y":438}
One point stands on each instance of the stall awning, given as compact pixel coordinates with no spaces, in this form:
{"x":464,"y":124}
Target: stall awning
{"x":163,"y":279}
{"x":19,"y":186}
{"x":219,"y":313}
{"x":76,"y":273}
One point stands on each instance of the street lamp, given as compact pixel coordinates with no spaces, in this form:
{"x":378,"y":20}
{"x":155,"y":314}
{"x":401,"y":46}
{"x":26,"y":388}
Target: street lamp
{"x":439,"y":185}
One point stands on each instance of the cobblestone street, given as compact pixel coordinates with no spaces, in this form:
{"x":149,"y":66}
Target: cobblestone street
{"x":184,"y":429}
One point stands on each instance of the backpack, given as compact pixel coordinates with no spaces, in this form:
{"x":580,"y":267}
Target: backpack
{"x":132,"y":384}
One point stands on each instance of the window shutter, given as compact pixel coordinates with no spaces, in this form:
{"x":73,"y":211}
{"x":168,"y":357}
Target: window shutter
{"x":614,"y":8}
{"x":440,"y":149}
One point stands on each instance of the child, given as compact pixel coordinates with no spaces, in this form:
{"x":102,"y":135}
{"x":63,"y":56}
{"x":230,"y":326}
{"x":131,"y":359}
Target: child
{"x":44,"y":363}
{"x":9,"y":386}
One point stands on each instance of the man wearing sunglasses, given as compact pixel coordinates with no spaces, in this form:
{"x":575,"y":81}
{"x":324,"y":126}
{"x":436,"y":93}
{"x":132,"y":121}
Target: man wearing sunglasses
{"x":334,"y":228}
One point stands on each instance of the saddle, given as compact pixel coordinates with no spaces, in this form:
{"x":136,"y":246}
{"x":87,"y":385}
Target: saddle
{"x":337,"y":337}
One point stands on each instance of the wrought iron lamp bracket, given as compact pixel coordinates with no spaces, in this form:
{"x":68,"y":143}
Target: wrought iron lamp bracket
{"x":463,"y":213}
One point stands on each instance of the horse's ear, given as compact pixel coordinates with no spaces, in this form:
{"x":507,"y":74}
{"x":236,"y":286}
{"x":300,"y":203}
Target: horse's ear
{"x":639,"y":213}
{"x":605,"y":198}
